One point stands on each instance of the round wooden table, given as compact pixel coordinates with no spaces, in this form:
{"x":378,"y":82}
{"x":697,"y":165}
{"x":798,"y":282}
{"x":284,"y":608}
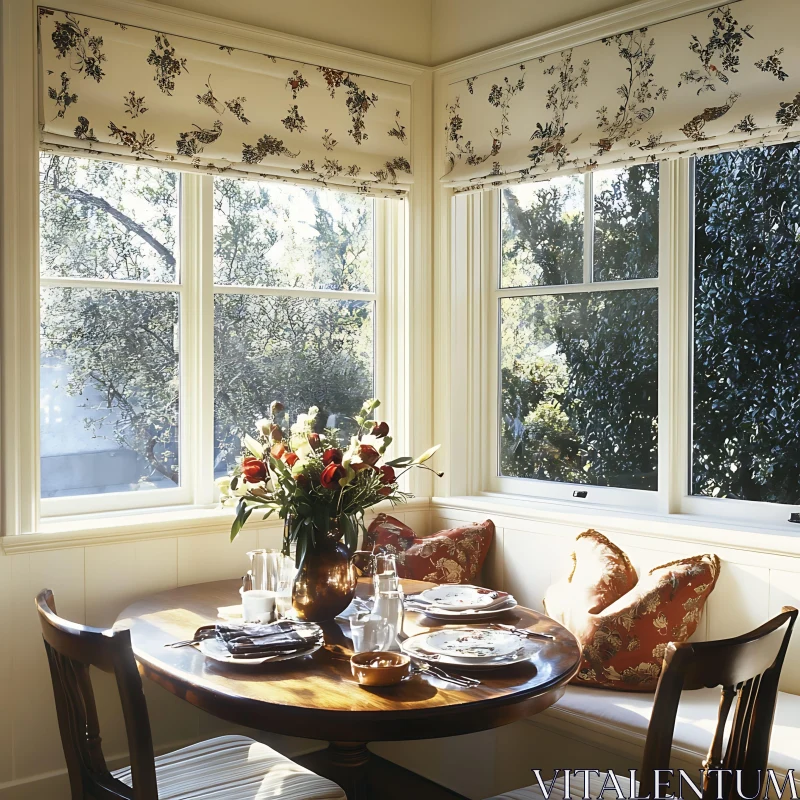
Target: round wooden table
{"x":318,"y":698}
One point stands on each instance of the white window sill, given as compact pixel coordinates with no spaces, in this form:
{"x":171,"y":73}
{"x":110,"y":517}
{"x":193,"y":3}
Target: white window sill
{"x":776,"y":540}
{"x":96,"y":529}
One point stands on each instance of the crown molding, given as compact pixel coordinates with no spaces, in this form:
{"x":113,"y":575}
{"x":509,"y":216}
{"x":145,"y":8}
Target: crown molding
{"x":590,"y":29}
{"x":193,"y":25}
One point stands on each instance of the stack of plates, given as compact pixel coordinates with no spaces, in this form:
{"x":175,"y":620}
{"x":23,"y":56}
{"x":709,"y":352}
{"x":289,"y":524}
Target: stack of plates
{"x":451,"y":603}
{"x":475,"y":648}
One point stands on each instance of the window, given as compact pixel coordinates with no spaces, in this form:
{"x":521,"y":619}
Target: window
{"x":126,"y":358}
{"x":614,"y":298}
{"x":578,"y":331}
{"x":746,"y":376}
{"x":110,"y":333}
{"x":293,"y":308}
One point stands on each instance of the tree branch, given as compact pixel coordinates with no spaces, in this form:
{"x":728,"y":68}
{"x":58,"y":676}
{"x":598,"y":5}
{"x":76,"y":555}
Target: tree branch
{"x":124,"y":219}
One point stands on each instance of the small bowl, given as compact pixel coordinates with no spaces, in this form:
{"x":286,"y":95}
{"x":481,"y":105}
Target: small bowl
{"x":380,"y":668}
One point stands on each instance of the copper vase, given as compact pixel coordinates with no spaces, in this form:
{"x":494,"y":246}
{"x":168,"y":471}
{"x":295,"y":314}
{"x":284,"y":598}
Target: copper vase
{"x":326,"y":583}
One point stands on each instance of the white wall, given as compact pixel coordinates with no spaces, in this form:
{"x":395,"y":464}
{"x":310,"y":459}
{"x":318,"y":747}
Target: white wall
{"x":386,"y":28}
{"x":463,"y":27}
{"x":428,"y":32}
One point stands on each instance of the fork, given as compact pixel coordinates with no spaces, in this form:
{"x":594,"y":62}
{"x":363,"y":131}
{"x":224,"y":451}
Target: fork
{"x":205,"y":632}
{"x":420,"y":668}
{"x":522,"y":631}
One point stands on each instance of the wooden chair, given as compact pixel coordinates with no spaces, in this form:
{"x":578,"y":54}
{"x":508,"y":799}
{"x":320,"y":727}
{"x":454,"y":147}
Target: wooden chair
{"x":747,"y":668}
{"x":233,"y":767}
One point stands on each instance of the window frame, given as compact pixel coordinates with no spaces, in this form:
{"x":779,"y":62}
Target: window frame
{"x":196,"y":290}
{"x":494,"y":293}
{"x":477,"y":217}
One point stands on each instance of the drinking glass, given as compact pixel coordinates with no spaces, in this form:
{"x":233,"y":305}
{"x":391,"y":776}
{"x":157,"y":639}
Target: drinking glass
{"x":389,"y":608}
{"x":384,"y":574}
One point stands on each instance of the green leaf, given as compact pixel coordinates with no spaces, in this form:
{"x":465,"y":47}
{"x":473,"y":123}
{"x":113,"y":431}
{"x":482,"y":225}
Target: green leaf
{"x":426,"y":455}
{"x":403,"y":461}
{"x":242,"y":513}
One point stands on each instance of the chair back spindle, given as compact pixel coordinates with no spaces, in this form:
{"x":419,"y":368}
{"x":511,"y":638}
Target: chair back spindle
{"x":747,"y":668}
{"x":71,"y":650}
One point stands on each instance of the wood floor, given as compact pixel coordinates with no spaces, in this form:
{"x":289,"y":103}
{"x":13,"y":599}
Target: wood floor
{"x":385,"y":780}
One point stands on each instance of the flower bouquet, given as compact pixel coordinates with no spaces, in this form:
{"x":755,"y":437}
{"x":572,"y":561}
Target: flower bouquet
{"x":320,"y":486}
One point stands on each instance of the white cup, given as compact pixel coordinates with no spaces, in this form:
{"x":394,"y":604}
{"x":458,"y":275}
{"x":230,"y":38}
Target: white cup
{"x":368,"y":632}
{"x":258,"y":605}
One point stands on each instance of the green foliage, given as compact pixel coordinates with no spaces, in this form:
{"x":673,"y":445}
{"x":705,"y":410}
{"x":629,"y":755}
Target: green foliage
{"x":747,"y":325}
{"x":626,"y":224}
{"x":590,"y":417}
{"x":537,"y":439}
{"x":106,"y":220}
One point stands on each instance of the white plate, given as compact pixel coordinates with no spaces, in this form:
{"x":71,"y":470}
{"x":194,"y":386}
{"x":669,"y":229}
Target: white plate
{"x":216,"y":650}
{"x":411,"y":647}
{"x":457,"y":598}
{"x":467,"y":614}
{"x":471,"y":643}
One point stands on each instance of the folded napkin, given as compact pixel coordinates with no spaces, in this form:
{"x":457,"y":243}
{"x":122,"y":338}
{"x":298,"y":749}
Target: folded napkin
{"x":256,"y":641}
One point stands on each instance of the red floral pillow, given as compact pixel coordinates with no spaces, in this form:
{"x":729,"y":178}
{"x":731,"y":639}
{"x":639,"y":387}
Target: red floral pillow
{"x":624,"y":641}
{"x":601,"y":573}
{"x":452,"y":556}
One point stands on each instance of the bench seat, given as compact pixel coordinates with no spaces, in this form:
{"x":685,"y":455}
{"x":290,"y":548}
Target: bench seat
{"x":606,"y":717}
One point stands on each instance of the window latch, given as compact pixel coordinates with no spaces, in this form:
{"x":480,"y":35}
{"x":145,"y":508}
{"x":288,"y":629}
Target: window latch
{"x":794,"y":517}
{"x":582,"y":493}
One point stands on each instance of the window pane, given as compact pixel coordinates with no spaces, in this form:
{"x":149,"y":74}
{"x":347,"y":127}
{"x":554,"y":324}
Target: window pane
{"x":299,"y":351}
{"x":104,"y":220}
{"x":109,"y":391}
{"x":747,"y":325}
{"x":542,"y":233}
{"x":626,"y":223}
{"x":273,"y":235}
{"x":579,"y":388}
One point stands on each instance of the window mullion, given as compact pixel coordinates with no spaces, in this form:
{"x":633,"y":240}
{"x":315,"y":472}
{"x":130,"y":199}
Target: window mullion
{"x":674,"y":428}
{"x":197,"y":339}
{"x":588,"y":227}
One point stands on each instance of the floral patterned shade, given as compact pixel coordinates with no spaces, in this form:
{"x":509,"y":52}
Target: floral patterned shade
{"x":129,"y":93}
{"x":710,"y":80}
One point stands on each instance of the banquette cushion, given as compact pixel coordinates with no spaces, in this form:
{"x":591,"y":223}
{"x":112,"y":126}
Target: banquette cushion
{"x":450,"y":556}
{"x":625,"y":624}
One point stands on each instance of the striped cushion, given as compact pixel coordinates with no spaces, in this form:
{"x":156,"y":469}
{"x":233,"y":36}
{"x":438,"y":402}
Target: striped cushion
{"x":235,"y":768}
{"x":575,"y":788}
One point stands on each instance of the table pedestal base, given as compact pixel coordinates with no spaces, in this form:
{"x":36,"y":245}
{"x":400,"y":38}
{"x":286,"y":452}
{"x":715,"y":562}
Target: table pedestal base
{"x":364,"y":776}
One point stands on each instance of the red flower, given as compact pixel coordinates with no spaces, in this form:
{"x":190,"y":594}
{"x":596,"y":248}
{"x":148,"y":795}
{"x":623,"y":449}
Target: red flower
{"x":254,"y":470}
{"x":331,"y":476}
{"x":313,"y":440}
{"x":381,"y":430}
{"x":278,"y":450}
{"x":290,"y":459}
{"x":276,"y":434}
{"x":368,"y":454}
{"x":387,"y":474}
{"x":332,"y":456}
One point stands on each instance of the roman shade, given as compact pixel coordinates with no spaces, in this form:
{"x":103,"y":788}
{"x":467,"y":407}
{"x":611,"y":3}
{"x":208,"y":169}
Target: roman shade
{"x":715,"y":79}
{"x":133,"y":94}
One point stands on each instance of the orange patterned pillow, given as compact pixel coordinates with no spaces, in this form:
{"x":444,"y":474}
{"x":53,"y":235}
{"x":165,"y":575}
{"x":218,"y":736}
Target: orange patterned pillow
{"x":624,"y":642}
{"x":601,"y":573}
{"x":452,"y":556}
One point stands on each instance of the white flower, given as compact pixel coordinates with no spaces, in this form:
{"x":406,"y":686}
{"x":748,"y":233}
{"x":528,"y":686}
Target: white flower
{"x":265,"y":426}
{"x":300,"y":446}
